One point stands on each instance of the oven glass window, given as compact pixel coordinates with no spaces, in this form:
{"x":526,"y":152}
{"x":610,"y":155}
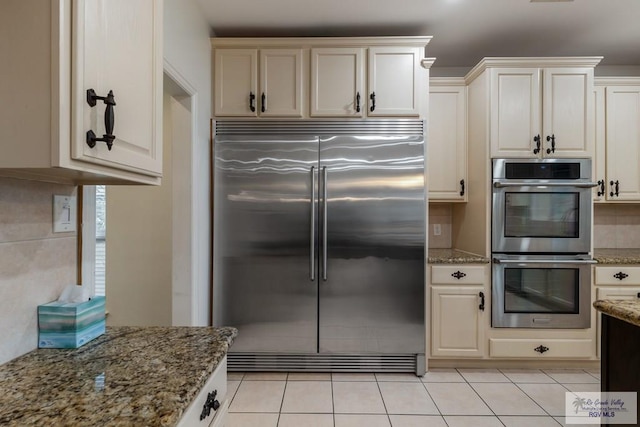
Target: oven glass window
{"x":533,"y":214}
{"x":541,"y":290}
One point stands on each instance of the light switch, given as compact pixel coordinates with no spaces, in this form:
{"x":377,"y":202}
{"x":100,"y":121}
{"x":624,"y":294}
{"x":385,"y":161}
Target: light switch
{"x":64,"y":214}
{"x":437,"y":229}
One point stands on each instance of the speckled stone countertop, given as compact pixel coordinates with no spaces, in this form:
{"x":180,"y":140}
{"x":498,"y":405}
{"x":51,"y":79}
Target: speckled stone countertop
{"x":617,"y":256}
{"x":626,"y":310}
{"x":130,"y":376}
{"x":454,"y":256}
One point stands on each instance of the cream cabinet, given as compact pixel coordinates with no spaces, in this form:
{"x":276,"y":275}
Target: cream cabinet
{"x":210,"y":406}
{"x":82,"y":91}
{"x":338,"y":82}
{"x":252,"y":82}
{"x":544,"y":110}
{"x":541,"y":112}
{"x":460,"y":308}
{"x":620,"y":282}
{"x":618,"y":146}
{"x":447,"y":140}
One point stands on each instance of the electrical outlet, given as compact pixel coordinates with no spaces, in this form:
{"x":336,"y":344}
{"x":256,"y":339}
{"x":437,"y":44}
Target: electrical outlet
{"x":437,"y":229}
{"x":64,"y":214}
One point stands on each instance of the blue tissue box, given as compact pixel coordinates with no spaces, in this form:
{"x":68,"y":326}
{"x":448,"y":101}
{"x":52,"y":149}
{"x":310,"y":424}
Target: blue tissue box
{"x":70,"y":324}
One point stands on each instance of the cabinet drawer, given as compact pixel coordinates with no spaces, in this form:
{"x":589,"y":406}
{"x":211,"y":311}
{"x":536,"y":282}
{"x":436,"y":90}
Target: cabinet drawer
{"x":619,"y":275}
{"x":458,"y":274}
{"x":218,"y":382}
{"x":555,"y":349}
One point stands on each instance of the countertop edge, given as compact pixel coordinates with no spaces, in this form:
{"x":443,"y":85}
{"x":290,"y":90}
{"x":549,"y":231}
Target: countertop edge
{"x":625,"y":310}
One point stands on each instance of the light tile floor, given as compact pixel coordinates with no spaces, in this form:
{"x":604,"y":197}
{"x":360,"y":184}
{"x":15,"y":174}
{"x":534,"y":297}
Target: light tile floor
{"x":441,"y":398}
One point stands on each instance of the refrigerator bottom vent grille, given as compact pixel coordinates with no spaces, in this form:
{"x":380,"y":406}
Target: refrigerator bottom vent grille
{"x":248,"y":362}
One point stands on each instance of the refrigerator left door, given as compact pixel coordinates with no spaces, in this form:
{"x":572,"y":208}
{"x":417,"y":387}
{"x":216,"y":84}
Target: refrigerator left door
{"x":265,"y":241}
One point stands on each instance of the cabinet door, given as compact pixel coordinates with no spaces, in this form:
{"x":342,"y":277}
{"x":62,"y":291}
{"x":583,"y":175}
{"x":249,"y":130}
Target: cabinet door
{"x":235,"y":82}
{"x":623,"y":142}
{"x":515,"y":111}
{"x":281,"y":82}
{"x":600,"y":145}
{"x":394,"y":74}
{"x":447,"y":143}
{"x":631,"y":293}
{"x":457,"y":322}
{"x":118,"y":48}
{"x":568,"y":112}
{"x":337,"y":82}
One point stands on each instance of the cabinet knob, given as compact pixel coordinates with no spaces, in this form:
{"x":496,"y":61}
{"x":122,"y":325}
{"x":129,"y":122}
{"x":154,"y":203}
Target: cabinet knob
{"x":620,"y":275}
{"x":601,"y":191}
{"x":109,"y":119}
{"x":541,"y":349}
{"x":252,"y":102}
{"x":209,"y":404}
{"x":536,"y":139}
{"x":551,"y":138}
{"x":458,"y":275}
{"x":616,"y":185}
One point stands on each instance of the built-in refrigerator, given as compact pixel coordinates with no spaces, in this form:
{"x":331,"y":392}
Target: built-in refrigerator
{"x":319,"y":244}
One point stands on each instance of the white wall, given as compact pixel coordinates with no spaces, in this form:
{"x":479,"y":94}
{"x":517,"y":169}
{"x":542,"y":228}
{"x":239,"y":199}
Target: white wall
{"x":177,"y":239}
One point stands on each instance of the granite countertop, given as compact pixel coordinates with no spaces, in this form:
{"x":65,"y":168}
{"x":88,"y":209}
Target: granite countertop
{"x":617,"y":256}
{"x":455,"y":256}
{"x":626,"y":310}
{"x":143,"y":376}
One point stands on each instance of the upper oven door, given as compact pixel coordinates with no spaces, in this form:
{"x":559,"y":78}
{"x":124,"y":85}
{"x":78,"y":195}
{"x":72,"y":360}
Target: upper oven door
{"x":550,"y":214}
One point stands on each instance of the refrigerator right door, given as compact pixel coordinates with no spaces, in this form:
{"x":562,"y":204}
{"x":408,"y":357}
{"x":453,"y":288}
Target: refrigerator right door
{"x":372,"y":256}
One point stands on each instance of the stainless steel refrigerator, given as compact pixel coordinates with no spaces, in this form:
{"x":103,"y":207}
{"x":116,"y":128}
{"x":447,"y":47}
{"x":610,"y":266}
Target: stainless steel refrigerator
{"x":319,"y":237}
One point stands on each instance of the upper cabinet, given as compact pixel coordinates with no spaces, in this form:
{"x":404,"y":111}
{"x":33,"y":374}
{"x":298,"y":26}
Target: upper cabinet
{"x":321,"y":77}
{"x":82,"y":89}
{"x":618,"y":142}
{"x":539,"y":107}
{"x":279,"y":73}
{"x":447,"y":141}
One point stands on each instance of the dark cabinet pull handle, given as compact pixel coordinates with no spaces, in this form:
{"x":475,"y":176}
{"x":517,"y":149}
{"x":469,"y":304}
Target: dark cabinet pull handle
{"x":373,"y":101}
{"x":620,"y":275}
{"x":551,"y":138}
{"x":211,"y":403}
{"x":601,"y":191}
{"x":541,"y":349}
{"x":252,"y":102}
{"x":264,"y":102}
{"x":462,"y":187}
{"x":537,"y":141}
{"x":638,"y":295}
{"x":481,"y":306}
{"x":458,"y":274}
{"x":109,"y":118}
{"x":357,"y":102}
{"x":616,"y":184}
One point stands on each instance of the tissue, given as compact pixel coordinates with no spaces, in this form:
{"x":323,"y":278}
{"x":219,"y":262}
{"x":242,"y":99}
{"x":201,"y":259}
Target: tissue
{"x":74,"y":293}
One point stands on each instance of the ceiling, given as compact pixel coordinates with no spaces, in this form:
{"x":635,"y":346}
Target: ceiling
{"x":464,"y":31}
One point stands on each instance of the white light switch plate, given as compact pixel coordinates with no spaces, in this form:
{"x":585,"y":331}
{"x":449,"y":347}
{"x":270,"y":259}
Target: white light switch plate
{"x":64,"y":214}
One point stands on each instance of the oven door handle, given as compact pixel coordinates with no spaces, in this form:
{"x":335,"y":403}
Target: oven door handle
{"x":501,"y":184}
{"x":544,"y":261}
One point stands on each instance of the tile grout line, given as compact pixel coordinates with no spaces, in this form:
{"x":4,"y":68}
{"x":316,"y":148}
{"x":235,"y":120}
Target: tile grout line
{"x":386,"y":411}
{"x":474,"y":390}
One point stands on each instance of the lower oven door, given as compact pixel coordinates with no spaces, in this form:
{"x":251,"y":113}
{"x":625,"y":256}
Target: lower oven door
{"x":541,"y":292}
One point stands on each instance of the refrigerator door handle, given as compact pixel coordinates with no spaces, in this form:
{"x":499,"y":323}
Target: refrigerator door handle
{"x":324,"y":223}
{"x":312,"y":237}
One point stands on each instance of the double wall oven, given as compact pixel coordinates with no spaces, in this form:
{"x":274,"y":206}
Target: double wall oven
{"x":541,"y":243}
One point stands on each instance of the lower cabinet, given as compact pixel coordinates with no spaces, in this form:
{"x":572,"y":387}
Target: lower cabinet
{"x":210,"y":406}
{"x":459,"y":310}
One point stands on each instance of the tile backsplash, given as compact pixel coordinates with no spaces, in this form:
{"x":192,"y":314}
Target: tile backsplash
{"x":616,"y":226}
{"x":35,"y":263}
{"x":440,"y":214}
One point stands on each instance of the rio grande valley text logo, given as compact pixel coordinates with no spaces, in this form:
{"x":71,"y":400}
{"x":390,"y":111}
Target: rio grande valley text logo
{"x":605,"y":408}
